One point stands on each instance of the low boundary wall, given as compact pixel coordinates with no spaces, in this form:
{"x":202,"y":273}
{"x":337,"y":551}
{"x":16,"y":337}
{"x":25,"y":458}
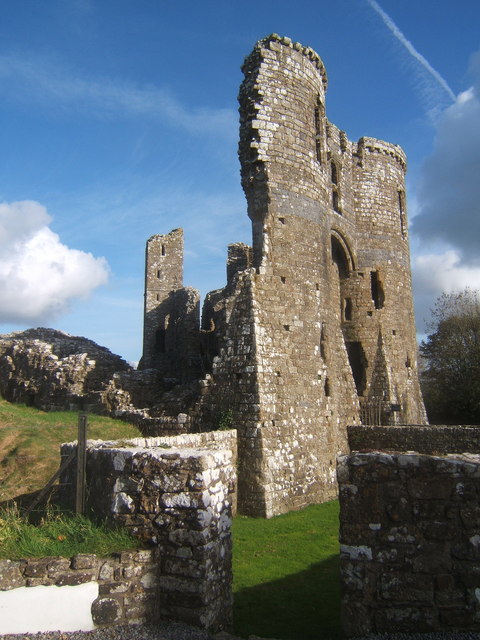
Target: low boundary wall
{"x":123,"y":589}
{"x":174,"y":493}
{"x":410,"y":530}
{"x":422,"y":439}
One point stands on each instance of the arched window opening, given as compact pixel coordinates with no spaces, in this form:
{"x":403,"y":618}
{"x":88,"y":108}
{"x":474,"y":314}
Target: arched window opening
{"x":340,"y":258}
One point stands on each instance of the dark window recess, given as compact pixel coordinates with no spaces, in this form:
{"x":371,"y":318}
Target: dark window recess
{"x":159,"y":274}
{"x":323,"y":343}
{"x":340,"y":258}
{"x":378,"y":295}
{"x":358,"y":364}
{"x":334,"y":171}
{"x":327,"y":387}
{"x":336,"y":201}
{"x":160,"y":340}
{"x":318,"y":116}
{"x":401,"y":207}
{"x":347,"y":309}
{"x":283,"y":279}
{"x":163,"y":250}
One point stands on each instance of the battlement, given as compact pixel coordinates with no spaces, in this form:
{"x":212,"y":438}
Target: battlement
{"x":274,"y":42}
{"x":372,"y":145}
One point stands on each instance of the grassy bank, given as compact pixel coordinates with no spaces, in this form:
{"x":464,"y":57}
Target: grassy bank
{"x":58,"y":535}
{"x":30,"y":441}
{"x":285,"y":573}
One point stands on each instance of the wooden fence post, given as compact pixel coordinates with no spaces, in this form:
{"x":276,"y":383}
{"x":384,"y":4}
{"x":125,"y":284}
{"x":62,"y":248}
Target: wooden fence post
{"x":81,"y":461}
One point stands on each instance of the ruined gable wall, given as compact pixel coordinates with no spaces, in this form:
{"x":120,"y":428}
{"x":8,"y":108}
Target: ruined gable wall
{"x":172,"y":312}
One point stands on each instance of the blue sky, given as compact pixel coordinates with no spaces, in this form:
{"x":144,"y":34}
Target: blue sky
{"x":119,"y":120}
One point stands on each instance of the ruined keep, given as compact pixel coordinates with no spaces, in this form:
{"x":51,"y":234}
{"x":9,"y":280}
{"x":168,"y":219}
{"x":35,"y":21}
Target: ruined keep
{"x":315,"y":329}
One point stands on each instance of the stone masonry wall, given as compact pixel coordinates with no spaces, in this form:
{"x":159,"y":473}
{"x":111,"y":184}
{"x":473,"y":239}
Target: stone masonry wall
{"x":178,"y":498}
{"x":422,"y":439}
{"x":410,"y":544}
{"x":128,"y":582}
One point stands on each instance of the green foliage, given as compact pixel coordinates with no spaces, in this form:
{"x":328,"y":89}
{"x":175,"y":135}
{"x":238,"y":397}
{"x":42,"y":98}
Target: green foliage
{"x":451,"y":380}
{"x":30,"y":443}
{"x":58,"y":535}
{"x":225,"y":420}
{"x":286,"y":576}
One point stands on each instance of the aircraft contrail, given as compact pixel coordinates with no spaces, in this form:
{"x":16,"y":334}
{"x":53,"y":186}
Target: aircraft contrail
{"x":410,"y":48}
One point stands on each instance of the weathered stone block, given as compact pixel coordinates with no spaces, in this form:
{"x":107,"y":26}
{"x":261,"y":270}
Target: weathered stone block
{"x":84,"y":561}
{"x":106,"y":611}
{"x":11,"y":575}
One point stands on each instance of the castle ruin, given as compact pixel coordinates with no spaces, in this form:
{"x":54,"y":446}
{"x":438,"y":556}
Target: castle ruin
{"x":314,"y":329}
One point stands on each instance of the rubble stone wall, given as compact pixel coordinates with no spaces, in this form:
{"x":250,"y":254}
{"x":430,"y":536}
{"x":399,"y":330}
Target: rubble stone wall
{"x":422,"y":439}
{"x":410,"y":544}
{"x":176,"y":494}
{"x":128,"y":582}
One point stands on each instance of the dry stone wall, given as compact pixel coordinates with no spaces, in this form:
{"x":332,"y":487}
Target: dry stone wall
{"x":422,"y":439}
{"x":177,"y":494}
{"x":410,"y":549}
{"x":128,"y":582}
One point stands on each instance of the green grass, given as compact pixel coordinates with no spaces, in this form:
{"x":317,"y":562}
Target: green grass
{"x":58,"y":535}
{"x":285,"y":575}
{"x":30,"y":443}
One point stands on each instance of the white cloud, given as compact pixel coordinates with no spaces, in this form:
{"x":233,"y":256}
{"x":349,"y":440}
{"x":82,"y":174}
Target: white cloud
{"x":436,"y":273}
{"x":449,"y":189}
{"x":445,"y":231}
{"x":40,"y":276}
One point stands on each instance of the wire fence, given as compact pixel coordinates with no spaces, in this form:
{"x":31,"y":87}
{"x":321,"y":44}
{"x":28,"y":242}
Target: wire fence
{"x":76,"y":457}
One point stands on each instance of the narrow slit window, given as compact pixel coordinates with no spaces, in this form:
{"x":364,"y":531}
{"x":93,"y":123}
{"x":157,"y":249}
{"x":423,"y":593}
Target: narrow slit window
{"x":401,"y":208}
{"x":334,"y":172}
{"x":347,"y":309}
{"x":319,"y":113}
{"x":327,"y":387}
{"x":378,"y":295}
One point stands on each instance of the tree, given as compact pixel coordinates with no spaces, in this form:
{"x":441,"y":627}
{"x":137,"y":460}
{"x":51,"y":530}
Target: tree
{"x":451,"y":379}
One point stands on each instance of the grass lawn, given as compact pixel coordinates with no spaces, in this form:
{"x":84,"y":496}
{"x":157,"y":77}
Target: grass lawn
{"x":30,"y":443}
{"x":285,"y":575}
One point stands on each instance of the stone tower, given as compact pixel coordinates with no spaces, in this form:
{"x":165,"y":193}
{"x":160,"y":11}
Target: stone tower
{"x":171,"y":313}
{"x":315,"y":329}
{"x":321,"y":329}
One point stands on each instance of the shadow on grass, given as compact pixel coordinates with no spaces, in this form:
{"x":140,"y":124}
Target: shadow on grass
{"x":302,"y":606}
